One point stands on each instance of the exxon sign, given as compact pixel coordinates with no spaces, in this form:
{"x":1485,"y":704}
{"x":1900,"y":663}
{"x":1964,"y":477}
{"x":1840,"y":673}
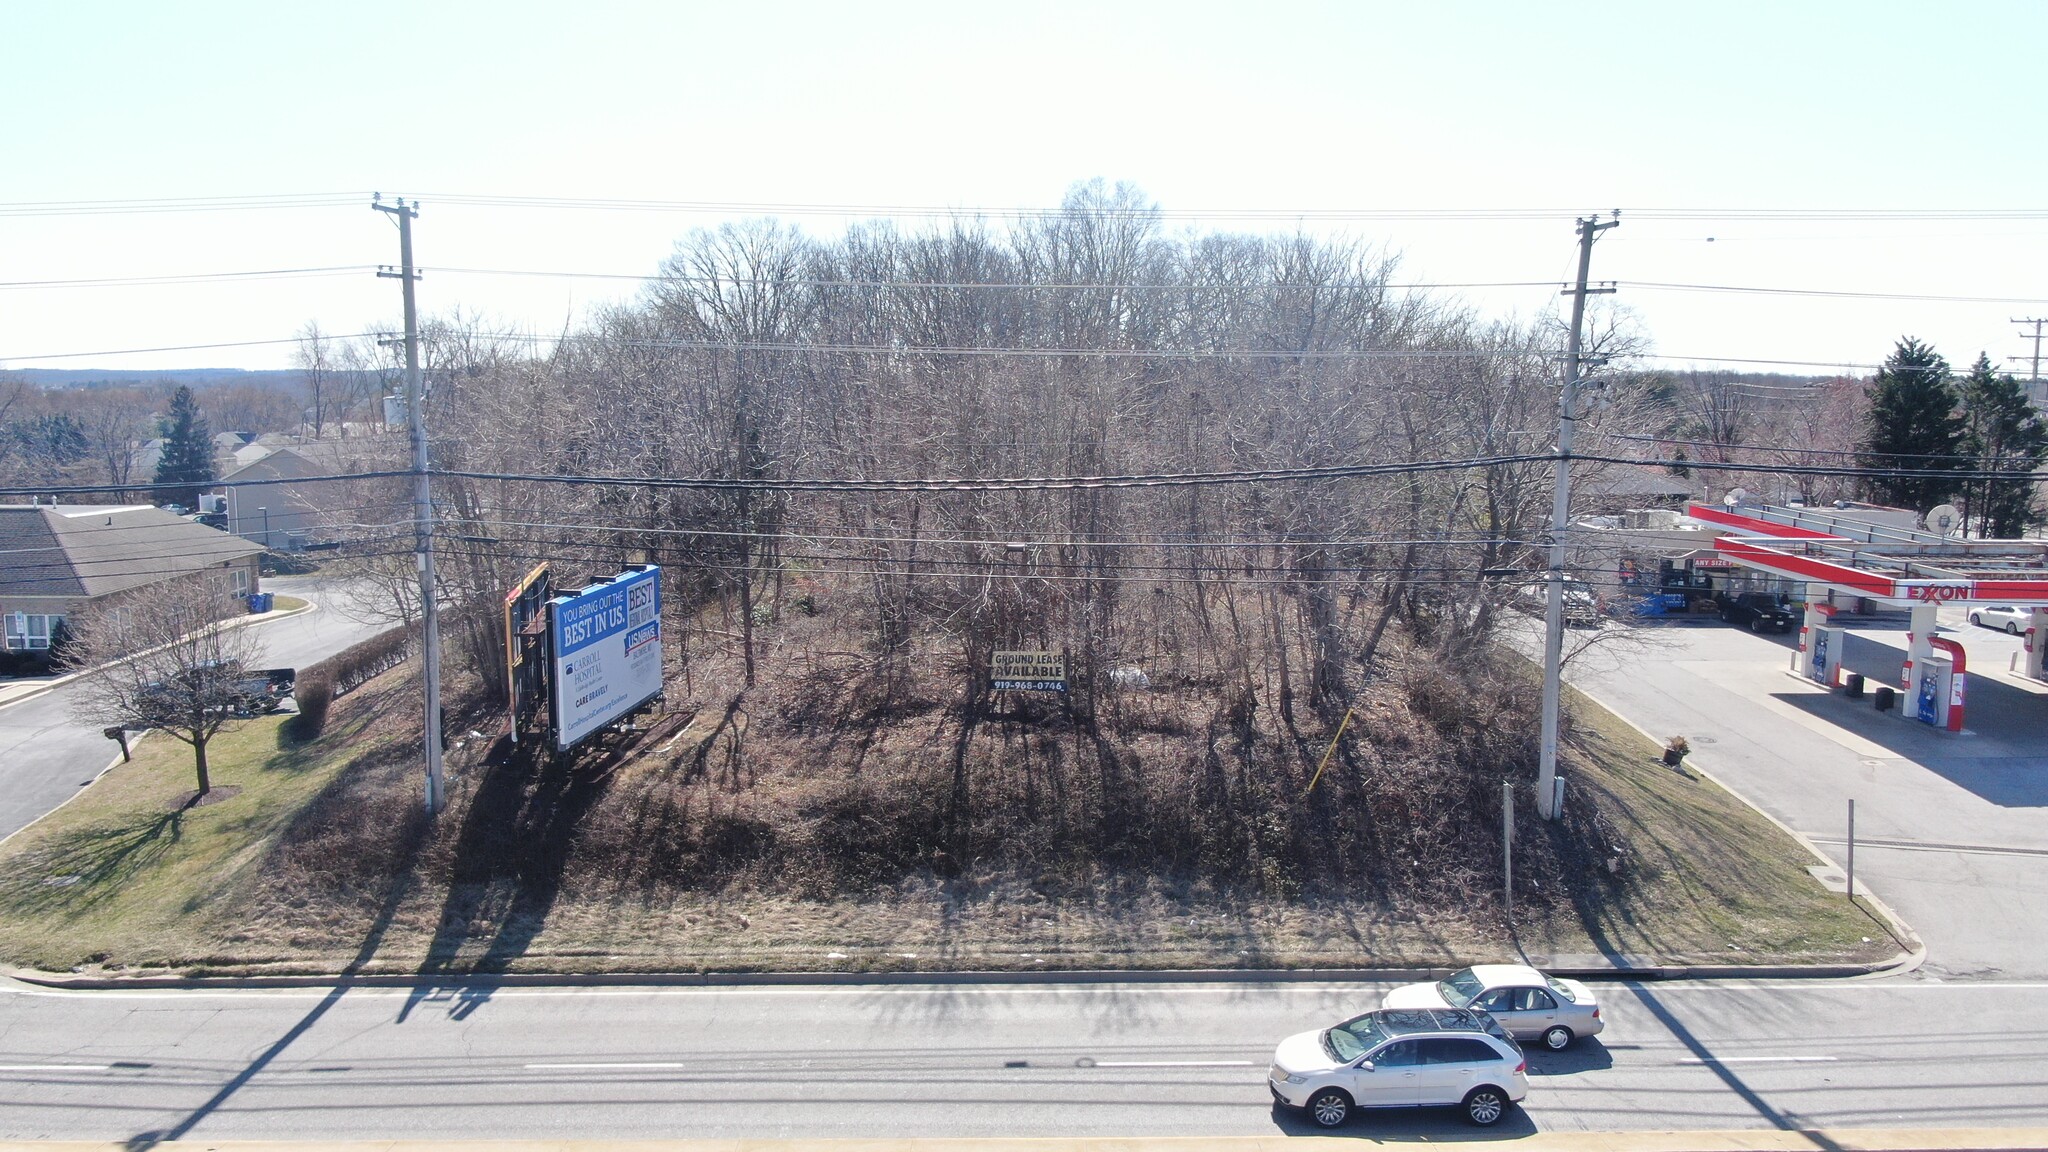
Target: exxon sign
{"x":1938,"y":592}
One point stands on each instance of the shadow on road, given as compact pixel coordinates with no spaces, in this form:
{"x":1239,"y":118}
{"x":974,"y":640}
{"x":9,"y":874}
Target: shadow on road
{"x":2000,"y":718}
{"x":1417,"y":1125}
{"x":374,"y":939}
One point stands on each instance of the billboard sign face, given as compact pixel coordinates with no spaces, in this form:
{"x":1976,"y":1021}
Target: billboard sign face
{"x":607,"y":653}
{"x":1028,"y":671}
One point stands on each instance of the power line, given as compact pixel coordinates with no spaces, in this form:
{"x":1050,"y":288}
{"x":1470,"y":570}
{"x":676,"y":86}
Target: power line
{"x":193,"y":277}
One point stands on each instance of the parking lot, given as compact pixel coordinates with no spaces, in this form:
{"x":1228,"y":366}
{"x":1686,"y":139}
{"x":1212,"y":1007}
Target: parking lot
{"x":1952,"y":829}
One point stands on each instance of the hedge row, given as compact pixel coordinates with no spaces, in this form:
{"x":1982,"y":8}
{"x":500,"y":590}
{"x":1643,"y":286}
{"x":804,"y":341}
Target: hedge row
{"x":353,"y":667}
{"x":344,"y":672}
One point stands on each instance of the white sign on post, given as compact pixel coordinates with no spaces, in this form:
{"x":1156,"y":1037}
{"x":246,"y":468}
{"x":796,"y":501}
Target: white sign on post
{"x":607,"y":653}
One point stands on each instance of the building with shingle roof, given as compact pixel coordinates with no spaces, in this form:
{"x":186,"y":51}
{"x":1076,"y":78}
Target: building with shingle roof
{"x":56,"y":558}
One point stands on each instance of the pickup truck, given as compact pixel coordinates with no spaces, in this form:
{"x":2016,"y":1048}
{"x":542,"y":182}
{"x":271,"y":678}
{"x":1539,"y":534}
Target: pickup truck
{"x":1757,"y":611}
{"x":246,"y":692}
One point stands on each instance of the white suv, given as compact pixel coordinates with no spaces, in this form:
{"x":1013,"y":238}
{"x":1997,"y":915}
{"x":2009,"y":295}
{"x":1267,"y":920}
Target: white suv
{"x":1401,"y":1058}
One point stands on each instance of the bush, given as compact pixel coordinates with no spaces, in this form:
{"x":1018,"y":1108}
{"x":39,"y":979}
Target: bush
{"x":351,"y":668}
{"x":315,"y":693}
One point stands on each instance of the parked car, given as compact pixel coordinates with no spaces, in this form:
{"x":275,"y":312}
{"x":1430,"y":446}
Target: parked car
{"x":1412,"y":1058}
{"x":1581,"y":606}
{"x":1757,"y":611}
{"x":2004,"y":616}
{"x":1529,"y":1004}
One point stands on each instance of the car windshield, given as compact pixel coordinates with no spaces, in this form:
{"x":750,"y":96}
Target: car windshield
{"x":1563,"y":991}
{"x":1353,"y":1038}
{"x":1459,"y":988}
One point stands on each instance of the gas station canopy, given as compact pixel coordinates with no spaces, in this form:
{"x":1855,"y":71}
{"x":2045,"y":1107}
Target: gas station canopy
{"x":1881,"y":562}
{"x":1922,"y":570}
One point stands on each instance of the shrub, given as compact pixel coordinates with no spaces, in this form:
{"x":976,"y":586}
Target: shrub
{"x":315,"y":693}
{"x":353,"y":667}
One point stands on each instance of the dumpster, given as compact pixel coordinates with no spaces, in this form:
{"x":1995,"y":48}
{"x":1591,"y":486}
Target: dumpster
{"x":259,"y":602}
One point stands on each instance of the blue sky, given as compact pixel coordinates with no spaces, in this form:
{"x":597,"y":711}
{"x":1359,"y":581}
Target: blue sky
{"x":1721,"y":108}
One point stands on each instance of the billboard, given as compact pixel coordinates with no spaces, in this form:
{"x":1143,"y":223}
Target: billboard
{"x":607,"y":652}
{"x":525,"y":673}
{"x":1028,"y":671}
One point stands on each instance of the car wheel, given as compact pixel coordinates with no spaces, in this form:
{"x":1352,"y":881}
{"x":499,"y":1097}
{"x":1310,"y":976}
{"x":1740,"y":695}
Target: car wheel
{"x":1485,"y":1106}
{"x":1330,"y":1107}
{"x":1977,"y":619}
{"x":1556,"y":1039}
{"x":2012,"y":627}
{"x":1756,"y":626}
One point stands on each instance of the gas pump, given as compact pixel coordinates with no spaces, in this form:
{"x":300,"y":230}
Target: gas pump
{"x":1939,"y":692}
{"x":1827,"y":656}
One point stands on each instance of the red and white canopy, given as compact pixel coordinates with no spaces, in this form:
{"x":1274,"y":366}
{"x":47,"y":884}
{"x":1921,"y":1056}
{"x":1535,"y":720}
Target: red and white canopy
{"x":1888,"y":564}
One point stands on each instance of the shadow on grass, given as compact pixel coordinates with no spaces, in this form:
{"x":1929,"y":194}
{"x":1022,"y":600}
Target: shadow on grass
{"x":508,"y":864}
{"x":87,"y":866}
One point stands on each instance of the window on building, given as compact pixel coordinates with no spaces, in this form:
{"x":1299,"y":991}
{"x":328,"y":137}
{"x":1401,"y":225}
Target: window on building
{"x":30,"y":631}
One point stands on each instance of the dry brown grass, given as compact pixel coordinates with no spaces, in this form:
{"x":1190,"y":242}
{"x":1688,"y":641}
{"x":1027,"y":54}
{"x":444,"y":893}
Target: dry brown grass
{"x":831,"y":821}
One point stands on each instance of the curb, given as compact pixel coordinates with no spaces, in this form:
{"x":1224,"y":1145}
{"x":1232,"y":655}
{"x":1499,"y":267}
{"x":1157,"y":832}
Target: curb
{"x":237,"y":622}
{"x":1910,"y":956}
{"x":1669,"y":972}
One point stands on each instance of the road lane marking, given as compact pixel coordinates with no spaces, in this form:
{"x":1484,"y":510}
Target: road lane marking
{"x":610,"y":1066}
{"x":1757,"y":1059}
{"x":56,"y":1067}
{"x":1085,"y":1062}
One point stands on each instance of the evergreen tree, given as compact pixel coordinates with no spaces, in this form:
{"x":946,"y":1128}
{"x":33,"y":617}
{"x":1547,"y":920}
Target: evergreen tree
{"x":1913,"y":425}
{"x":2003,"y":433}
{"x":187,"y":461}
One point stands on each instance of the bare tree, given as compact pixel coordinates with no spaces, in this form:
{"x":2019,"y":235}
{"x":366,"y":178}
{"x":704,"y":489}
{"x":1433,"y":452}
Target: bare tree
{"x":316,"y":363}
{"x":160,"y":658}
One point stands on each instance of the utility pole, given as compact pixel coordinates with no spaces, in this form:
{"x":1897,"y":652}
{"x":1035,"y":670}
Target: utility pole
{"x":2033,"y":376}
{"x":422,"y":498}
{"x":1560,"y":522}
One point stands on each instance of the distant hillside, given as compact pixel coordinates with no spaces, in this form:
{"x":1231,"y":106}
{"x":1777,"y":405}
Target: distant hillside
{"x":114,"y":377}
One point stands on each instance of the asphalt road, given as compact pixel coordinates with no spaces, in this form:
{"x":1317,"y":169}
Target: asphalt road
{"x":46,"y":754}
{"x":1952,"y":829}
{"x":961,"y":1061}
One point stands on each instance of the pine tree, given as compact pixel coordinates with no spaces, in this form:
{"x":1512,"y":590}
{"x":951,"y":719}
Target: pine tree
{"x":2002,"y":433}
{"x":186,"y":464}
{"x":1913,"y":425}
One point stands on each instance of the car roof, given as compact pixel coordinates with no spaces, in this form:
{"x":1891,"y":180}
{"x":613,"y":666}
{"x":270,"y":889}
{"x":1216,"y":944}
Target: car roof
{"x":1399,"y":1022}
{"x":1497,"y":975}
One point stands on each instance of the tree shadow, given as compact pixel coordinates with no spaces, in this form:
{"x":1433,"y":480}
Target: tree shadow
{"x":87,"y":866}
{"x":400,"y":886}
{"x":509,"y":860}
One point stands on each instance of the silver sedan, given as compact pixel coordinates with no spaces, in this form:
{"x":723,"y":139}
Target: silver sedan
{"x":1529,"y":1004}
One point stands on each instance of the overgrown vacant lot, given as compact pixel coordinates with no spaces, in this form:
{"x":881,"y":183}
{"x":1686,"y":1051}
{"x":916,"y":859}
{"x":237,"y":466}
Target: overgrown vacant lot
{"x":837,"y":823}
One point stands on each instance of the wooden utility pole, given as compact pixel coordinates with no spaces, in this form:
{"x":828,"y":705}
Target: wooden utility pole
{"x":2034,"y":374}
{"x":1560,"y":521}
{"x":422,"y":499}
